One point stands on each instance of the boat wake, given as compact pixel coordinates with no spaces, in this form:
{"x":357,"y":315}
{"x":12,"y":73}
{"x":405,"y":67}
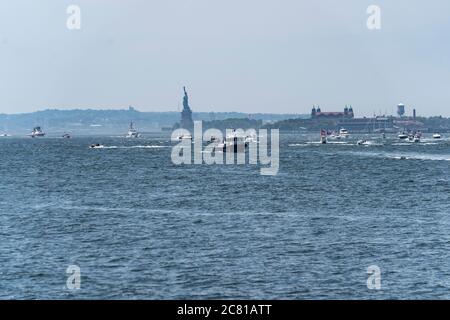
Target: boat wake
{"x":298,"y":145}
{"x":371,"y":144}
{"x":338,"y":143}
{"x":320,"y":143}
{"x":418,"y":156}
{"x":404,"y":156}
{"x":130,"y":147}
{"x":411,"y":143}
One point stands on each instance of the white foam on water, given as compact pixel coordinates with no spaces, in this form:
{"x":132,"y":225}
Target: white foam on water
{"x":130,"y":147}
{"x":372,"y":144}
{"x":298,"y":145}
{"x":423,"y":142}
{"x":320,"y":143}
{"x":405,"y":156}
{"x":144,"y":147}
{"x":420,"y":156}
{"x":403,"y":144}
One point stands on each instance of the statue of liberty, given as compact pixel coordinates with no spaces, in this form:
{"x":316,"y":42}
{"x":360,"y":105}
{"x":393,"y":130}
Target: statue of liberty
{"x":186,"y":114}
{"x":185,"y":99}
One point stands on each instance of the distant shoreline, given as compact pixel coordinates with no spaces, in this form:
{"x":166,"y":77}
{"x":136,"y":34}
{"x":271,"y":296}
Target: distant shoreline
{"x":112,"y":121}
{"x":99,"y":121}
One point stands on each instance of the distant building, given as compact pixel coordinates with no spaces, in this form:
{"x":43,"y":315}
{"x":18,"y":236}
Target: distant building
{"x":316,"y":113}
{"x":186,"y":114}
{"x":333,"y":121}
{"x":401,"y":109}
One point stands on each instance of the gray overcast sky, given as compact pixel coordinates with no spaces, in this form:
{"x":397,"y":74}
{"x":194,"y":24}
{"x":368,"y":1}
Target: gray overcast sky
{"x":234,"y":55}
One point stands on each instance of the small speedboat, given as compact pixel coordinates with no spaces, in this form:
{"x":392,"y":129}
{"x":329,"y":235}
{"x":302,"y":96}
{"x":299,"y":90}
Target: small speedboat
{"x":232,"y":146}
{"x":214,"y":139}
{"x":403,"y":136}
{"x":361,"y":142}
{"x":183,"y":137}
{"x":96,"y":146}
{"x":251,"y":139}
{"x":37,"y":132}
{"x":437,"y":136}
{"x":66,"y":136}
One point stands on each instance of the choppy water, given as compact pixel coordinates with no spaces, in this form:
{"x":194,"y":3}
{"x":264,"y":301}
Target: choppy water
{"x":140,"y":227}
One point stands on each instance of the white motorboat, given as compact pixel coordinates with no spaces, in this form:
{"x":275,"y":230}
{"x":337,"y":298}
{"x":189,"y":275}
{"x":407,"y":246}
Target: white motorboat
{"x":132,"y":132}
{"x":239,"y":136}
{"x":335,"y":136}
{"x":37,"y":132}
{"x":96,"y":146}
{"x":182,"y":137}
{"x":344,"y":133}
{"x":234,"y":142}
{"x":437,"y":136}
{"x":361,"y":142}
{"x":251,"y":139}
{"x":403,"y":136}
{"x":214,"y":139}
{"x":232,"y":146}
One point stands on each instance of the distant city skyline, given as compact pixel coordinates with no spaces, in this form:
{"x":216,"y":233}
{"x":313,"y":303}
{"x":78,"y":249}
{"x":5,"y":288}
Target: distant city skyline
{"x":248,"y":56}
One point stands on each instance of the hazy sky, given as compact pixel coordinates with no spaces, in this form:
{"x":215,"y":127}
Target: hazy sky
{"x":278,"y":56}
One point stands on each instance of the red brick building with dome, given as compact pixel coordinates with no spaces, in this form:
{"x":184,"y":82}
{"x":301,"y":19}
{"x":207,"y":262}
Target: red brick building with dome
{"x":316,"y":113}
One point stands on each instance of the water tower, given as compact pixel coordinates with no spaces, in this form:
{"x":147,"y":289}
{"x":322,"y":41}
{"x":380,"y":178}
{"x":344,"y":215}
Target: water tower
{"x":401,"y":109}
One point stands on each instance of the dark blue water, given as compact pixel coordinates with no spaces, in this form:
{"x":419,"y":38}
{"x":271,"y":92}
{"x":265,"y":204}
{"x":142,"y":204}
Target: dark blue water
{"x":140,"y":227}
